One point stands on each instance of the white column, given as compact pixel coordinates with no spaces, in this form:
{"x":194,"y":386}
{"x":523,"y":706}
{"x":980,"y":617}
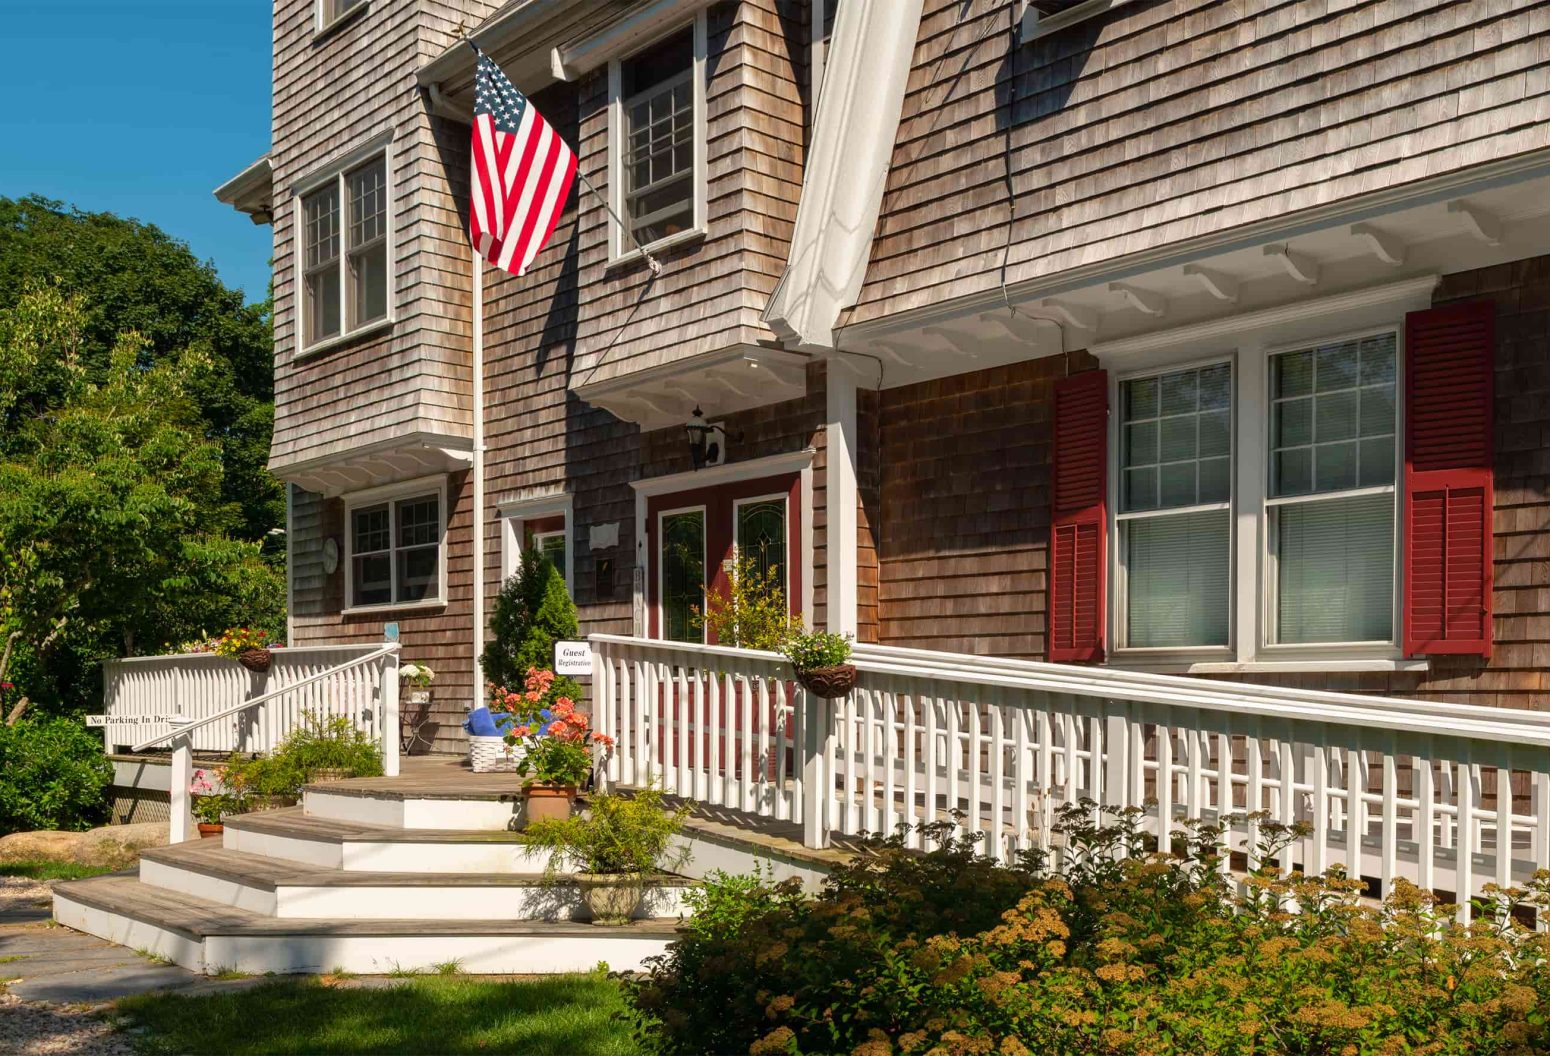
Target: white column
{"x":389,"y":726}
{"x":181,"y":826}
{"x":478,"y":475}
{"x":840,"y":497}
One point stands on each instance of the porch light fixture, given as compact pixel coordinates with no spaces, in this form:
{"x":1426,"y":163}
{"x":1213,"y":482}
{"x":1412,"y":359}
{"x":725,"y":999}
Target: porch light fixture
{"x":703,"y":450}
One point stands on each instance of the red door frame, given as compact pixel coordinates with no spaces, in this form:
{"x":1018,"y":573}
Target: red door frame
{"x":720,"y":503}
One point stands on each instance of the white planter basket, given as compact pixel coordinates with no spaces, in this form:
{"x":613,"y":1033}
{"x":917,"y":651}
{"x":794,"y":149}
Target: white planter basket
{"x":491,"y":755}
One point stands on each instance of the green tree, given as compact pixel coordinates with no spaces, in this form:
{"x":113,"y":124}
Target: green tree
{"x":132,"y":276}
{"x":532,"y":611}
{"x":114,"y":536}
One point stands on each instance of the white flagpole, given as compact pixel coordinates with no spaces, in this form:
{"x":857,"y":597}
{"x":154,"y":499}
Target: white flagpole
{"x":478,"y":503}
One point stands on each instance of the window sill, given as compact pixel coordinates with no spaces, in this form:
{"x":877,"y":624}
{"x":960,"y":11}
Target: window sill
{"x":1280,"y":667}
{"x":331,"y":343}
{"x":661,"y":245}
{"x":407,"y":606}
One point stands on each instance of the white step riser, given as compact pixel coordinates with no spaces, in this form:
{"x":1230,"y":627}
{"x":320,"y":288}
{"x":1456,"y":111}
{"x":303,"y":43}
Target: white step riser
{"x":126,"y":931}
{"x":477,"y":954}
{"x":391,"y":857}
{"x":561,"y":901}
{"x":479,"y":814}
{"x":215,"y":888}
{"x":707,"y":856}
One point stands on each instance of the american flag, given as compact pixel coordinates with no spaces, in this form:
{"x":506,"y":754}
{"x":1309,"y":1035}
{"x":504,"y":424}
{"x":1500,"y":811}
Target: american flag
{"x":522,"y":172}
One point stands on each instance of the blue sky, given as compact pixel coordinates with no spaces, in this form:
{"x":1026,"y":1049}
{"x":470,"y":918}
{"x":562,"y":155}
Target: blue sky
{"x":141,"y":107}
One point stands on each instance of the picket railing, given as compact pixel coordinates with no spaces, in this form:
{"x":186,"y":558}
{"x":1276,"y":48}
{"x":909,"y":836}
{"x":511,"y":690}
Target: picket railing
{"x":1451,"y":797}
{"x":202,"y":702}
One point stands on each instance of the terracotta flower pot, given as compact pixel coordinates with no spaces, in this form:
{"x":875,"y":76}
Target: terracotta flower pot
{"x":545,"y":802}
{"x":829,"y":683}
{"x":329,"y":773}
{"x":255,"y":659}
{"x":207,"y":830}
{"x":612,"y":898}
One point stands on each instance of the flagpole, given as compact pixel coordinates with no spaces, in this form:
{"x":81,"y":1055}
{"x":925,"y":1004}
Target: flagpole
{"x":478,"y":473}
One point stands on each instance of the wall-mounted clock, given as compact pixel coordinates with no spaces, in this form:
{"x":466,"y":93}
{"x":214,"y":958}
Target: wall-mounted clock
{"x":330,"y":556}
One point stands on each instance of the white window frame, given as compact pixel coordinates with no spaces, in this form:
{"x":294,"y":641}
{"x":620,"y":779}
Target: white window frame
{"x":1118,"y":573}
{"x":1391,"y":647}
{"x":1249,"y":340}
{"x":335,"y":171}
{"x":622,"y":250}
{"x":514,"y":517}
{"x":737,"y":541}
{"x":323,"y":21}
{"x":392,"y":494}
{"x":661,"y":563}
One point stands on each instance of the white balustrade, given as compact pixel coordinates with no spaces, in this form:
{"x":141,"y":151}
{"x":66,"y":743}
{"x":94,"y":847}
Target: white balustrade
{"x":1449,"y":796}
{"x":199,"y":702}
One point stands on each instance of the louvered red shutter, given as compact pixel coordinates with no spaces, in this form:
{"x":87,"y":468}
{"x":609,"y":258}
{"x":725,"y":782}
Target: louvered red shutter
{"x":1078,"y":522}
{"x":1449,"y":390}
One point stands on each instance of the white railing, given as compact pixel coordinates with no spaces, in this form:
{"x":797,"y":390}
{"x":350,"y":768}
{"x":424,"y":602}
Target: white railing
{"x":1449,"y":796}
{"x":202,"y":702}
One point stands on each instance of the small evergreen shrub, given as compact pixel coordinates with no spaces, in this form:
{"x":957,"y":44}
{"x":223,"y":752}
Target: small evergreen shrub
{"x":53,"y":775}
{"x":532,"y":612}
{"x":1118,"y":951}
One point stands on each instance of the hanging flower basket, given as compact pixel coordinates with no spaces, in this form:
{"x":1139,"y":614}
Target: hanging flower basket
{"x":830,"y":683}
{"x":255,"y":659}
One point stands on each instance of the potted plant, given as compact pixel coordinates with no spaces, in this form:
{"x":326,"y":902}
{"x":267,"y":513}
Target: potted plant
{"x":621,"y":846}
{"x":556,"y":744}
{"x":320,"y":749}
{"x":820,"y":659}
{"x":212,"y":801}
{"x":417,"y":678}
{"x":248,"y":646}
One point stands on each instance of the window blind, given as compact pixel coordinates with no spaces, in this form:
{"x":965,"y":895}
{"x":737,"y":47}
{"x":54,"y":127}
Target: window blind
{"x":1335,"y":570}
{"x":1178,"y":573}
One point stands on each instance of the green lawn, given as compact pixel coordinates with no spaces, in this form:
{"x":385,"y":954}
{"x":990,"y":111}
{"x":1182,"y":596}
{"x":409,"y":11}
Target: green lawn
{"x":559,"y":1016}
{"x":42,"y":869}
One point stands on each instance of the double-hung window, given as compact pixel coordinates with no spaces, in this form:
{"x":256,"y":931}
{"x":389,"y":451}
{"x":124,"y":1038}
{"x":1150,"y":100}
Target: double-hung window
{"x":344,"y":253}
{"x":395,"y":548}
{"x":658,"y":139}
{"x":1331,"y":497}
{"x":1175,"y":508}
{"x":1287,"y":552}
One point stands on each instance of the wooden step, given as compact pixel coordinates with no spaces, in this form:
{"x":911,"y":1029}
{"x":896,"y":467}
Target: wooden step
{"x":206,"y":936}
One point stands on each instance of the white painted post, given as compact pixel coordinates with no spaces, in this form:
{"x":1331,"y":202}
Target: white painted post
{"x":389,"y":724}
{"x":816,"y":752}
{"x":841,"y":497}
{"x":181,"y":824}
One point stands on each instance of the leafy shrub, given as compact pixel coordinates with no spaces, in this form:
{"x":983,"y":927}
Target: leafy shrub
{"x":1117,"y":951}
{"x":753,"y":613}
{"x":808,"y":652}
{"x":531,"y":613}
{"x":331,"y":743}
{"x":619,"y":834}
{"x":53,"y":775}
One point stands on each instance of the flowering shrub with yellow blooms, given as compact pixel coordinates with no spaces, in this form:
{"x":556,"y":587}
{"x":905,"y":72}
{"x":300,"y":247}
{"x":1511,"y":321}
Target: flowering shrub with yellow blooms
{"x":1115,"y":950}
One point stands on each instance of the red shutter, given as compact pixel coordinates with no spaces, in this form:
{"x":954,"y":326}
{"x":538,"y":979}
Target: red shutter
{"x":1449,"y":390}
{"x":1079,"y":517}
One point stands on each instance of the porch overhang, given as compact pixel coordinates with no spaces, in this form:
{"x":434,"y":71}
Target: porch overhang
{"x":732,"y":379}
{"x":1487,"y":215}
{"x":387,"y":461}
{"x":251,"y":191}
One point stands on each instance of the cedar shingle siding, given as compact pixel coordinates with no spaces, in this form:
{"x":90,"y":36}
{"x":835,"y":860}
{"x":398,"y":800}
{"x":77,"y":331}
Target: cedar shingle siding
{"x":1169,"y":120}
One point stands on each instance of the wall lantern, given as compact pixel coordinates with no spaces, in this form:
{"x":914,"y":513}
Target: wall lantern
{"x":704,"y":447}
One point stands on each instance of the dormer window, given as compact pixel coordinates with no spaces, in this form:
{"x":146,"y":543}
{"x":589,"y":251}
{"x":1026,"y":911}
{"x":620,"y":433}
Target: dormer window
{"x":657,"y":144}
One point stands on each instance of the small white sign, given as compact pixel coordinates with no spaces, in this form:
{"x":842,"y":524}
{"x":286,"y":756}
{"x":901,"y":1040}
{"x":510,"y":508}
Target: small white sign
{"x":573,"y":658}
{"x":93,"y":721}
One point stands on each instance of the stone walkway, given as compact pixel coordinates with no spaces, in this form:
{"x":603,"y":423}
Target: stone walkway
{"x":54,"y":982}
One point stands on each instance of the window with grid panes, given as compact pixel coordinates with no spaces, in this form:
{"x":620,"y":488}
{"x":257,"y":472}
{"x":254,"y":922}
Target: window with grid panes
{"x":1175,"y":507}
{"x":657,"y":165}
{"x":1333,"y":452}
{"x":395,"y":551}
{"x":345,"y":253}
